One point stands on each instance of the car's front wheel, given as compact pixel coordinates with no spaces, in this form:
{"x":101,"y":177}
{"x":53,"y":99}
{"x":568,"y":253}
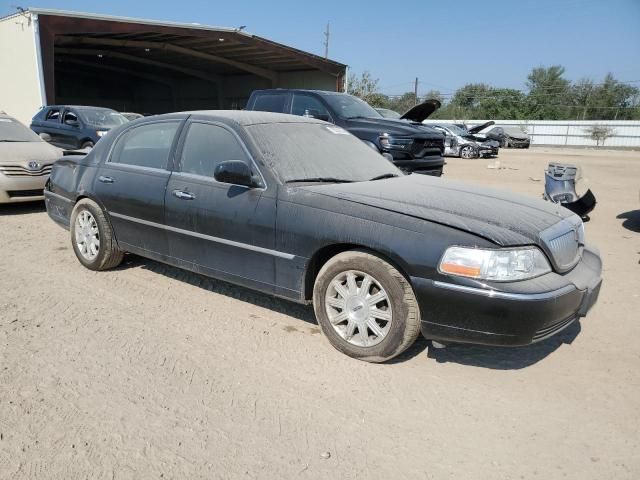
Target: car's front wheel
{"x":467,"y":152}
{"x":92,"y":237}
{"x":365,"y":306}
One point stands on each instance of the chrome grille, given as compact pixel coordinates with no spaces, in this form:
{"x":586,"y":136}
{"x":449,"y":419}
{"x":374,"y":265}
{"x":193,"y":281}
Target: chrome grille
{"x":564,"y":242}
{"x":20,"y":171}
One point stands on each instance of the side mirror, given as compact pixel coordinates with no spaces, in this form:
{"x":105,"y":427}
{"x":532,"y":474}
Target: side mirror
{"x":71,"y":123}
{"x":236,"y":172}
{"x":45,"y":136}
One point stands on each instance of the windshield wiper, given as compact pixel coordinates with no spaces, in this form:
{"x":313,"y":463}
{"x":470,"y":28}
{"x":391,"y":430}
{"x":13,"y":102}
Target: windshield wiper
{"x":383,"y":176}
{"x":320,"y":179}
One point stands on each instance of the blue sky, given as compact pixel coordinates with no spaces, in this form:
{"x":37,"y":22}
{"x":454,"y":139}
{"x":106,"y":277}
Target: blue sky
{"x":445,"y":44}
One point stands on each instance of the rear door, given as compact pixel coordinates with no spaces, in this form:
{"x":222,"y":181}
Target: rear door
{"x":50,"y":124}
{"x":220,"y":229}
{"x":131,"y":184}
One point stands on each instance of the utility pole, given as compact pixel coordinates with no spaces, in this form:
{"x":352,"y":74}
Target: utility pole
{"x":415,"y":91}
{"x":326,"y":41}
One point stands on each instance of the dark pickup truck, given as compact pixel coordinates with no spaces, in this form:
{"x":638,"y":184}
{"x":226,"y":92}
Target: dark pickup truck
{"x":414,"y":147}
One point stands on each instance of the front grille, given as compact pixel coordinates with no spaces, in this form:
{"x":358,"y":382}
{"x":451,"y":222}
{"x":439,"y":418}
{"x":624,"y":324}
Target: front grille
{"x":564,"y":249}
{"x":423,"y":148}
{"x":25,"y":193}
{"x":20,"y":171}
{"x":564,"y":242}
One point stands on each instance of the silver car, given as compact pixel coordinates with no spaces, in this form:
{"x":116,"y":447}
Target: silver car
{"x":25,"y":162}
{"x":458,"y":143}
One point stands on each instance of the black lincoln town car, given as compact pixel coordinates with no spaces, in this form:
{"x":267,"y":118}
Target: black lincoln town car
{"x":301,"y":209}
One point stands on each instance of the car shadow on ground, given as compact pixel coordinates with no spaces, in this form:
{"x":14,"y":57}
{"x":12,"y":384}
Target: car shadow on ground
{"x":505,"y":358}
{"x":295,"y":310}
{"x":22,"y":208}
{"x":631,"y":220}
{"x":498,"y":358}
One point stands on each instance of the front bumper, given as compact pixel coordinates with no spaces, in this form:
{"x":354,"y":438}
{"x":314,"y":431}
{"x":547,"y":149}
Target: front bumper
{"x":518,"y":313}
{"x":21,"y":189}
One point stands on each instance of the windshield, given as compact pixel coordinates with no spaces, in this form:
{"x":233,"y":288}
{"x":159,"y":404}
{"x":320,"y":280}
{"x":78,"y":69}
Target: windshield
{"x":13,"y":131}
{"x":456,"y":130}
{"x":298,"y":151}
{"x":347,"y":106}
{"x":102,"y":118}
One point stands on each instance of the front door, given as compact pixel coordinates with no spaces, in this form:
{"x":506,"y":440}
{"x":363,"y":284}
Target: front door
{"x":219,"y":229}
{"x":131,"y":184}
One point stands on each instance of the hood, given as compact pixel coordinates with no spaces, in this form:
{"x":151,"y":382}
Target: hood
{"x":504,"y":218}
{"x":390,"y":126}
{"x":25,"y":152}
{"x":422,"y":111}
{"x":517,"y":134}
{"x":481,"y":127}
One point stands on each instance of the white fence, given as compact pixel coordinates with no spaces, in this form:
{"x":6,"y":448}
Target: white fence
{"x":626,"y":133}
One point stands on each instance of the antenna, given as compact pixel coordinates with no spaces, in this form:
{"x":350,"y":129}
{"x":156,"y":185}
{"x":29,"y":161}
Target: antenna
{"x":326,"y":41}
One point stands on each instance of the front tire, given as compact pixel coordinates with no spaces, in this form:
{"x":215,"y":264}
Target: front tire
{"x":92,"y":237}
{"x":87,"y":144}
{"x":467,"y":152}
{"x":365,"y":307}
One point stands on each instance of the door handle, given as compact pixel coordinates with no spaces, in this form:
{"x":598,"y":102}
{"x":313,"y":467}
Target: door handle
{"x":104,"y":179}
{"x":183,"y":195}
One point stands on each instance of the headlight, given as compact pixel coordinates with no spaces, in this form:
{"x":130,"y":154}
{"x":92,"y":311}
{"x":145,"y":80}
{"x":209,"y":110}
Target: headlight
{"x":388,"y":141}
{"x":499,"y":265}
{"x":102,"y":133}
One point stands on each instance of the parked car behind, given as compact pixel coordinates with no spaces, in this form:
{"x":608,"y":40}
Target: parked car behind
{"x":75,"y":127}
{"x":458,"y":142}
{"x":268,"y":201}
{"x":414,"y":148}
{"x":509,"y":137}
{"x":25,"y":162}
{"x":131,"y":116}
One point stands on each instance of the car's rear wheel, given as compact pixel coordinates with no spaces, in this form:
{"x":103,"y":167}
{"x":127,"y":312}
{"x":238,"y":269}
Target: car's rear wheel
{"x":467,"y":152}
{"x":365,"y":306}
{"x":92,"y":237}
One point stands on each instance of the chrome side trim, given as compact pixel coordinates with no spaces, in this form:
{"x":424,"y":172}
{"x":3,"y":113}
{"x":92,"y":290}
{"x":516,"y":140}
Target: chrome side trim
{"x":210,"y":238}
{"x":505,"y":295}
{"x":47,"y":193}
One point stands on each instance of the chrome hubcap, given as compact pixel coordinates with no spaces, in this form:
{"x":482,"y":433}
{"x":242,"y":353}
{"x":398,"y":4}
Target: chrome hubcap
{"x":87,"y":235}
{"x":358,"y":308}
{"x":466,"y":152}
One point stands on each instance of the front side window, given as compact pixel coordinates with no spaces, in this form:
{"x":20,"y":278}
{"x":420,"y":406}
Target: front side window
{"x":270,"y":103}
{"x":70,"y":117}
{"x":307,"y":106}
{"x":205,"y":146}
{"x":146,"y":146}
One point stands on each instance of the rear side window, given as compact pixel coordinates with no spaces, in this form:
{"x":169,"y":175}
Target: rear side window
{"x":146,"y":146}
{"x":207,"y":145}
{"x":270,"y":103}
{"x":307,"y":106}
{"x":53,"y":115}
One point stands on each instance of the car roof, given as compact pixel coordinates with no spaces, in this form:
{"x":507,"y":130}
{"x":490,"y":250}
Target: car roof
{"x":245,"y":117}
{"x":79,"y":107}
{"x":299,"y":90}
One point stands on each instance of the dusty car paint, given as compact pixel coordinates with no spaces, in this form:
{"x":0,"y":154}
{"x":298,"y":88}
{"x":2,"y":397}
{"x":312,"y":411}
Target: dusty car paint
{"x":275,"y":237}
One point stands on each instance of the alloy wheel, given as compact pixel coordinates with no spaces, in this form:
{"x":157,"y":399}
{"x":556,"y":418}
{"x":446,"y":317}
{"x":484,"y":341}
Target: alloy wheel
{"x":358,"y":308}
{"x":87,"y":235}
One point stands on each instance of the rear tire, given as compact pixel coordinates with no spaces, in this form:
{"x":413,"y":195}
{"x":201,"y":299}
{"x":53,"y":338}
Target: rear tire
{"x":92,"y":237}
{"x":365,"y":307}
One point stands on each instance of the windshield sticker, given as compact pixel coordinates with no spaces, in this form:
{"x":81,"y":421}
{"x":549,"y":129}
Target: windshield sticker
{"x":337,"y":130}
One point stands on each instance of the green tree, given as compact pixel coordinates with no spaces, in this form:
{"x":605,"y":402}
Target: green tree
{"x":549,"y":93}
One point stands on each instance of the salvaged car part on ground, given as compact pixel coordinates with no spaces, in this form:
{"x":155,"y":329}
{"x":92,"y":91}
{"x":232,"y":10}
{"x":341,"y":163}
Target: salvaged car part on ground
{"x":458,"y":143}
{"x":25,"y":162}
{"x":75,"y":127}
{"x":268,"y":201}
{"x":560,"y":187}
{"x":414,"y":147}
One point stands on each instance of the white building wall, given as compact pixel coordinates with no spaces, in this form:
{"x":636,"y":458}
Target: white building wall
{"x":626,"y":133}
{"x":21,"y":90}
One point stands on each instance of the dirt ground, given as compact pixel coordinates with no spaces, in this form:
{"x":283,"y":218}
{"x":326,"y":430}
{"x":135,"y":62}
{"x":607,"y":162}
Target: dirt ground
{"x":150,"y":372}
